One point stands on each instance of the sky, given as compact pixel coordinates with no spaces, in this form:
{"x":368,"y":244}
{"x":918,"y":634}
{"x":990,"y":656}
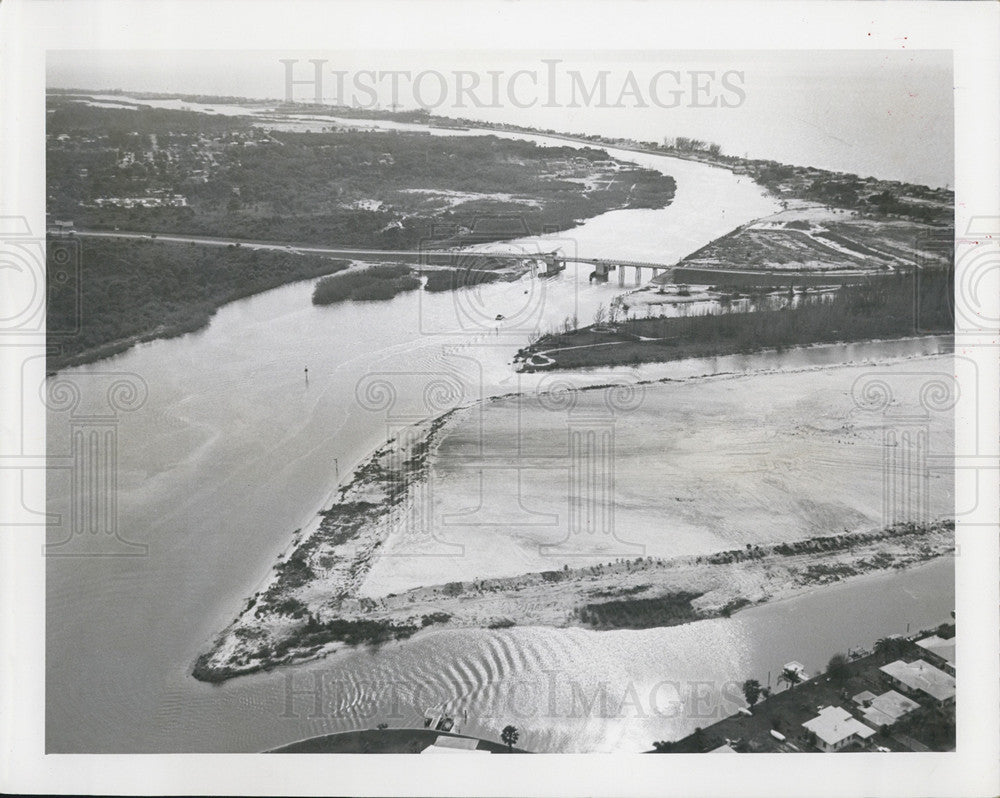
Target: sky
{"x":882,"y":113}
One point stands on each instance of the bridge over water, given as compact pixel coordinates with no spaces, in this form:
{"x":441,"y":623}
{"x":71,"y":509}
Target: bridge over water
{"x":542,"y":264}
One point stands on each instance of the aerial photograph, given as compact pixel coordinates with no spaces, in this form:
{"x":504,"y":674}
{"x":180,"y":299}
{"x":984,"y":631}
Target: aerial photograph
{"x":436,"y":402}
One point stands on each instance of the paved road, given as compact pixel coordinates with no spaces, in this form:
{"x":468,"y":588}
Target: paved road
{"x":409,"y":255}
{"x":346,"y":252}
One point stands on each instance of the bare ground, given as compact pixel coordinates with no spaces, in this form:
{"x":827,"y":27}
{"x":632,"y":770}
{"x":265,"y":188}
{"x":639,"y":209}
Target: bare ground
{"x":797,"y":508}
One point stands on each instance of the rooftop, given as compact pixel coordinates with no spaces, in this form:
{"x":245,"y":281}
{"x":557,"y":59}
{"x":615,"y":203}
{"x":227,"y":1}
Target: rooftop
{"x":922,"y":676}
{"x":864,"y":696}
{"x":798,"y":667}
{"x":835,"y":724}
{"x":938,"y":645}
{"x":887,"y":708}
{"x":453,"y":745}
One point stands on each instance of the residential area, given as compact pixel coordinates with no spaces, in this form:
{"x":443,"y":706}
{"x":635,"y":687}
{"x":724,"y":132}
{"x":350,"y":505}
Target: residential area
{"x":898,"y":697}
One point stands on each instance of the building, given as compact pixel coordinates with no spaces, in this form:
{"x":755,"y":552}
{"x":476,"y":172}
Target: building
{"x":864,"y":698}
{"x":921,"y":680}
{"x":835,"y":729}
{"x":797,"y":667}
{"x":940,"y":652}
{"x":887,"y":709}
{"x":453,"y":745}
{"x":61,"y":228}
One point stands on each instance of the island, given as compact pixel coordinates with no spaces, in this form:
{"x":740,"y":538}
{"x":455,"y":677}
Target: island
{"x":367,"y":573}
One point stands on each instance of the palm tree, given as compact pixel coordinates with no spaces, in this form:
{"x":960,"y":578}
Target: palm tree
{"x":509,"y":736}
{"x":790,"y":676}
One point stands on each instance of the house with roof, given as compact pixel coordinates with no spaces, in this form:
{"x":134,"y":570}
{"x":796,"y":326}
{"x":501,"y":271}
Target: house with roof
{"x":864,"y":698}
{"x":940,"y":652}
{"x":921,"y":680}
{"x":836,"y":729}
{"x":887,"y":709}
{"x":454,"y":745}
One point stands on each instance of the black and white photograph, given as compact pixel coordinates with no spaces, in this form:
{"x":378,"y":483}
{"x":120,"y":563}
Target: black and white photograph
{"x":491,"y":379}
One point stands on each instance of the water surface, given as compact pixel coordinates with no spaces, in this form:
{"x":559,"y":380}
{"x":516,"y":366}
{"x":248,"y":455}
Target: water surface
{"x":233,"y":449}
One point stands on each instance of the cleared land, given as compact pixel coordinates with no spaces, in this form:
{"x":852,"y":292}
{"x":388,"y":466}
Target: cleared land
{"x":697,"y":467}
{"x":810,"y":237}
{"x":727,"y":492}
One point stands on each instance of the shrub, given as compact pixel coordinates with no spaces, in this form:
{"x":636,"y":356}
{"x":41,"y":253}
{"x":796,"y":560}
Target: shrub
{"x":377,"y":282}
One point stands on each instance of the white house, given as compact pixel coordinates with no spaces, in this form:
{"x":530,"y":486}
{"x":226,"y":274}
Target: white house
{"x":887,"y":709}
{"x":922,"y":680}
{"x":835,"y":729}
{"x":453,"y":745}
{"x":940,"y":651}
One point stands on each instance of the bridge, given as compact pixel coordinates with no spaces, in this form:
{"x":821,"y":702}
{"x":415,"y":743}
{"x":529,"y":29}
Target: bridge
{"x":541,"y":264}
{"x":604,"y":266}
{"x":547,"y":264}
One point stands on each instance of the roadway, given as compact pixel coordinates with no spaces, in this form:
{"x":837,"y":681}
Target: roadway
{"x":356,"y":253}
{"x":687,"y":274}
{"x":343,"y":252}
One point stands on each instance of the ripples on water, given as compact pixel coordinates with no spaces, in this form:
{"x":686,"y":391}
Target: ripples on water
{"x":233,"y":450}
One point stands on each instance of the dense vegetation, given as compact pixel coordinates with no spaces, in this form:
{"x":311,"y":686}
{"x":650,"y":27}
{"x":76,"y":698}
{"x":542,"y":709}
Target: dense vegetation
{"x":640,"y":613}
{"x":890,"y":306}
{"x":121,"y":125}
{"x":352,"y":632}
{"x":336,"y":187}
{"x":377,"y":282}
{"x":313,"y":635}
{"x":130,"y":290}
{"x":452,"y":279}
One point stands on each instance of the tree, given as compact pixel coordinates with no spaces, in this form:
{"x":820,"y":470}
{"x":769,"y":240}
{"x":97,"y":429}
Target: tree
{"x":509,"y":736}
{"x":751,"y":691}
{"x":790,"y":676}
{"x":888,"y":648}
{"x":599,"y":315}
{"x":838,"y":669}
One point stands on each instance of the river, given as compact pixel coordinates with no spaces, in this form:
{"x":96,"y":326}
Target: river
{"x":230,"y":448}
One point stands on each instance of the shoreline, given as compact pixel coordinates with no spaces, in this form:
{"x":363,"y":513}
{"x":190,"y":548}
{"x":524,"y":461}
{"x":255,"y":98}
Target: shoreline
{"x":385,"y":476}
{"x":309,"y":605}
{"x":583,"y":369}
{"x":692,"y":588}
